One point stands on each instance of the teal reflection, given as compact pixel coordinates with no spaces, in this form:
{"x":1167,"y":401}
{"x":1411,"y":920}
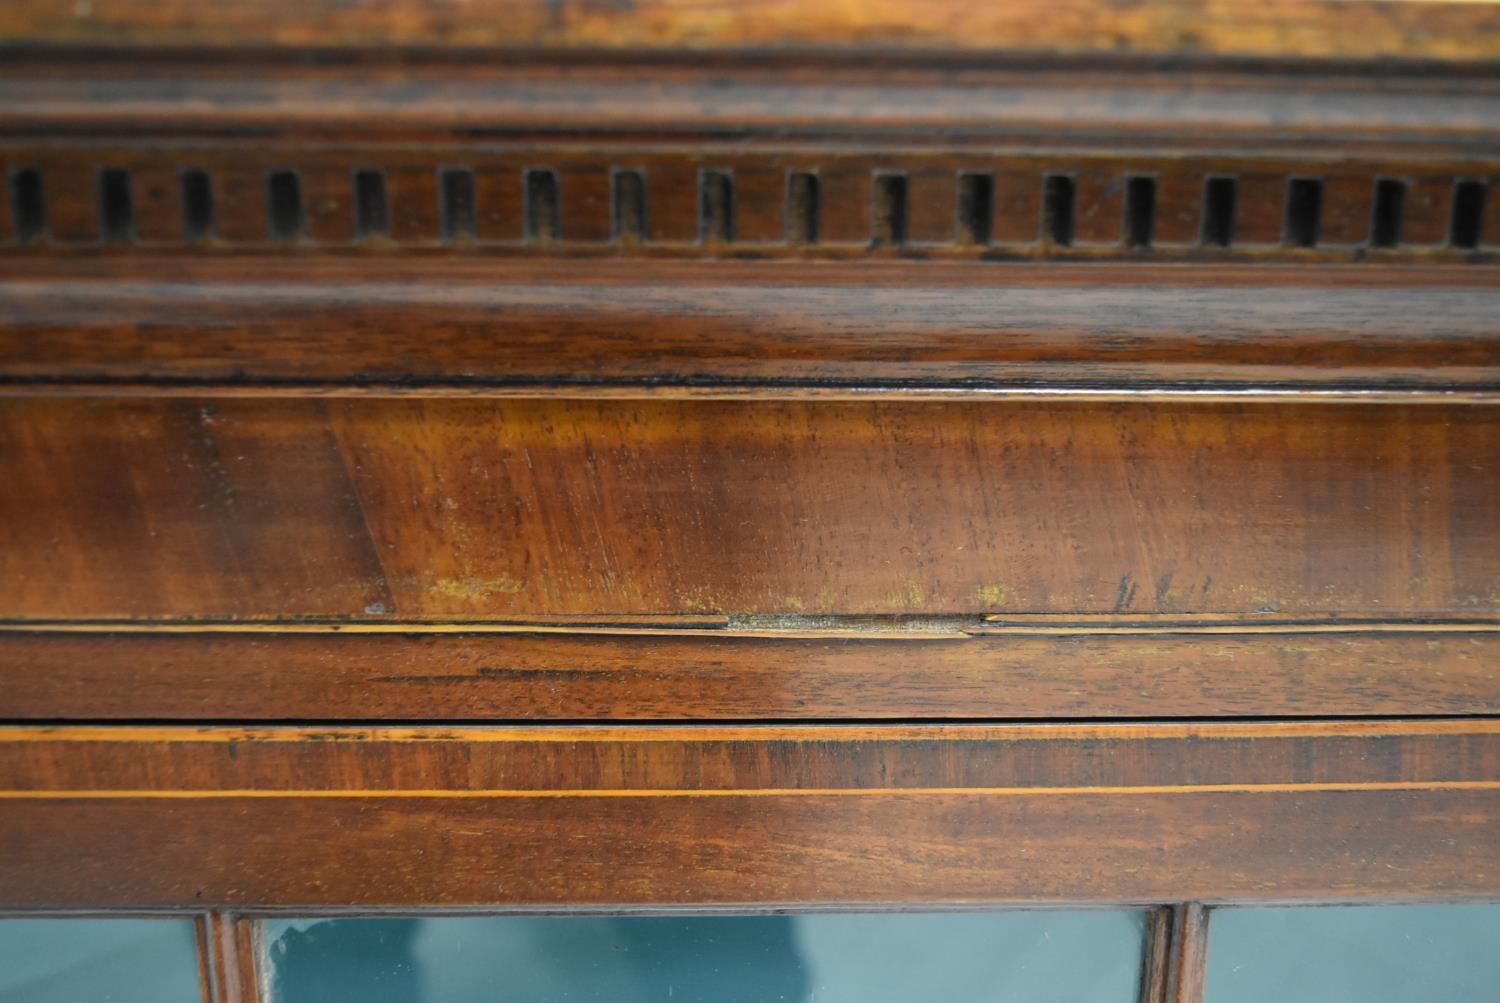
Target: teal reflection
{"x":1037,"y":957}
{"x":47,"y":960}
{"x":1373,"y":954}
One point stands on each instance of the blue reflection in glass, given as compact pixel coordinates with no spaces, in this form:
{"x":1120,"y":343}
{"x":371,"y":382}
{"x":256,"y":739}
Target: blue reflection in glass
{"x":58,"y":960}
{"x":1036,"y":957}
{"x":1373,"y":954}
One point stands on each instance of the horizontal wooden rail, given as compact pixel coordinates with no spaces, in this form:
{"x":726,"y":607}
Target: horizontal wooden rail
{"x":1088,"y":104}
{"x":677,"y":816}
{"x":466,"y":324}
{"x":411,"y":672}
{"x":1363,"y":29}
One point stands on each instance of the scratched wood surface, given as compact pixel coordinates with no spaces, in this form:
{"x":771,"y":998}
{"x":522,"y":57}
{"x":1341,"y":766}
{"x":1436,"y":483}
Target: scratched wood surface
{"x":564,"y":674}
{"x":438,"y":509}
{"x":1150,"y":813}
{"x":1275,"y":28}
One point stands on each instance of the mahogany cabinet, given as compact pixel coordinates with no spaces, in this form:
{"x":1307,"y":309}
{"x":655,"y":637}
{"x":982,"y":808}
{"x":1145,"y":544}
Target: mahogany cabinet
{"x":786,"y":489}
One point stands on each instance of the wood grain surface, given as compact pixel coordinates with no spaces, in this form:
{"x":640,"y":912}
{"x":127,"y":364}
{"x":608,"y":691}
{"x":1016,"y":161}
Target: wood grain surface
{"x":121,"y":761}
{"x":229,"y":957}
{"x":447,"y":509}
{"x":374,"y":851}
{"x":416,"y":491}
{"x":1186,"y":967}
{"x":1361,"y":29}
{"x":931,"y":101}
{"x":1150,"y":813}
{"x":681,"y":675}
{"x":412,"y":324}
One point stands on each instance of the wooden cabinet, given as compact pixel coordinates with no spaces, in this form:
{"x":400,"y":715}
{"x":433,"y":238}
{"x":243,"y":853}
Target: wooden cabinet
{"x":815,"y":459}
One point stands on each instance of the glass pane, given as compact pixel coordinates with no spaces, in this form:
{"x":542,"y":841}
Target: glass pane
{"x":1374,"y":954}
{"x":1036,"y":957}
{"x":47,"y":960}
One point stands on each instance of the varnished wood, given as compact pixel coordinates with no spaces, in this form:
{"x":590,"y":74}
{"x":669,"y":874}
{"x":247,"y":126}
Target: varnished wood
{"x":66,"y":762}
{"x":230,"y":949}
{"x":1353,"y":811}
{"x":1320,"y":29}
{"x":756,"y":176}
{"x":208,"y":977}
{"x":408,"y":325}
{"x":374,"y":851}
{"x":725,"y":675}
{"x":1155,"y":965}
{"x":756,"y":120}
{"x":1188,"y":965}
{"x":418,"y":492}
{"x":931,"y":101}
{"x":453,"y":509}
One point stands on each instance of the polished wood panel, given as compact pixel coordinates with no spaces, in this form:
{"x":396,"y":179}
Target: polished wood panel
{"x":1308,"y":28}
{"x":724,"y":675}
{"x":436,"y":509}
{"x":410,"y":324}
{"x":133,"y":493}
{"x":124,"y":761}
{"x":943,"y":103}
{"x":1376,"y":810}
{"x":374,"y":851}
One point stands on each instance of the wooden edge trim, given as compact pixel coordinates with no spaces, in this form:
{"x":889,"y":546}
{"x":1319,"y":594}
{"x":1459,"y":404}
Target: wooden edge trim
{"x":1176,"y":954}
{"x":228,"y":948}
{"x":245,"y":96}
{"x":1015,"y":626}
{"x":1188,"y":954}
{"x":756,"y":333}
{"x":1156,"y":961}
{"x":745,"y":763}
{"x":613,"y":733}
{"x":161,"y":794}
{"x":324,"y":278}
{"x":1305,"y":29}
{"x":771,"y":627}
{"x":208,"y":964}
{"x":671,"y":626}
{"x":537,"y":675}
{"x":1287,"y":393}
